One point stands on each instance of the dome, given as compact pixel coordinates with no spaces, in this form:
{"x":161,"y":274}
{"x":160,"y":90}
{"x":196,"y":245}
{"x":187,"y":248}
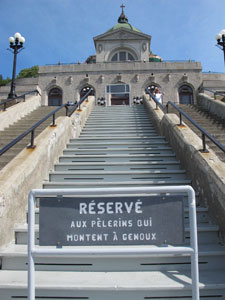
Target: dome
{"x":125,"y":26}
{"x":123,"y":23}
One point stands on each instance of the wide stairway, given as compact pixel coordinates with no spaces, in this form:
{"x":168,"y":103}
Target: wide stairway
{"x":17,"y":128}
{"x":118,"y":147}
{"x":211,"y":123}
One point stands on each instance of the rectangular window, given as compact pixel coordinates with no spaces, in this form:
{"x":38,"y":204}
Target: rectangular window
{"x":122,"y":56}
{"x":118,"y":88}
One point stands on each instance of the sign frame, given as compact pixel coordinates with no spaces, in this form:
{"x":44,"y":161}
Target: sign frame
{"x":116,"y":251}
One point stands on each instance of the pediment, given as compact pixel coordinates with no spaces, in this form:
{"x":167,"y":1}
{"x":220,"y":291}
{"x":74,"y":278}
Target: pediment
{"x":122,"y":34}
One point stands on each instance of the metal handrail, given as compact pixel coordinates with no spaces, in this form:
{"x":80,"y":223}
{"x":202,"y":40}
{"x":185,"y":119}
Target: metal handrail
{"x":203,"y":131}
{"x":32,"y":129}
{"x":182,"y":113}
{"x":4,"y":103}
{"x":213,"y":92}
{"x":79,"y":103}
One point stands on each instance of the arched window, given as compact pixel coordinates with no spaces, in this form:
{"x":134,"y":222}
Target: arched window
{"x":122,"y":56}
{"x":84,"y":91}
{"x":55,"y":97}
{"x":186,"y":95}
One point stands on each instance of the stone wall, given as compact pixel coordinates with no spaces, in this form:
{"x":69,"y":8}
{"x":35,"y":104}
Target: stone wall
{"x":206,"y":170}
{"x":216,"y":107}
{"x":72,"y":78}
{"x":31,"y":167}
{"x":18,"y":111}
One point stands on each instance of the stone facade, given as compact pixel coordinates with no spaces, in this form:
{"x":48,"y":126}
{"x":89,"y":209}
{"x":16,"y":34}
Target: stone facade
{"x":123,"y":57}
{"x":138,"y":44}
{"x":139,"y":75}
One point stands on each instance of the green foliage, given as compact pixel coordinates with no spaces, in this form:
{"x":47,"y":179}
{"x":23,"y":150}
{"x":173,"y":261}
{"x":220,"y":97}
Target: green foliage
{"x":29,"y":72}
{"x":4,"y":81}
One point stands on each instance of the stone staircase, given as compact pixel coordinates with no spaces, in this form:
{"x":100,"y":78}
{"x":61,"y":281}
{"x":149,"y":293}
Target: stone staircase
{"x":214,"y":125}
{"x":13,"y":131}
{"x":118,"y":147}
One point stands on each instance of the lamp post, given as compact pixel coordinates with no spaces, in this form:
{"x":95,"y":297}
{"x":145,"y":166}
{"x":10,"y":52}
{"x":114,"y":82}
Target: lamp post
{"x":16,"y":43}
{"x":220,"y":37}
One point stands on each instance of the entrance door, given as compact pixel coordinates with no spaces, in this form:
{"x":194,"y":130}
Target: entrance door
{"x":119,"y":99}
{"x":119,"y":94}
{"x":55,"y":97}
{"x":186,"y":95}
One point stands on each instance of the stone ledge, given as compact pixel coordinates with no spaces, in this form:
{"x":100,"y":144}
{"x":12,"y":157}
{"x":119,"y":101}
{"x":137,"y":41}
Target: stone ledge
{"x":215,"y":107}
{"x":206,"y":170}
{"x":31,"y":167}
{"x":16,"y":112}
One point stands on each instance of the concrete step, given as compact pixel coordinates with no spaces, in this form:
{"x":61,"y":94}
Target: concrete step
{"x":106,"y":145}
{"x":118,"y":135}
{"x":118,"y":129}
{"x":14,"y":257}
{"x":135,"y":183}
{"x":118,"y":158}
{"x":109,"y":133}
{"x":116,"y":166}
{"x":117,"y":126}
{"x":107,"y":151}
{"x":111,"y":285}
{"x":107,"y":139}
{"x":122,"y":176}
{"x":124,"y":122}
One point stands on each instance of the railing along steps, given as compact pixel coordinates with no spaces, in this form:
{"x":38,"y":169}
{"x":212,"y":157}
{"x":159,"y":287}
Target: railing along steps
{"x":117,"y":148}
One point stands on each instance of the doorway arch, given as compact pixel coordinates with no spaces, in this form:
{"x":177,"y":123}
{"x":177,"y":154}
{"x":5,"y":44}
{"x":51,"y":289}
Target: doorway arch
{"x":186,"y":95}
{"x":55,"y":97}
{"x":85,"y":90}
{"x":152,"y":86}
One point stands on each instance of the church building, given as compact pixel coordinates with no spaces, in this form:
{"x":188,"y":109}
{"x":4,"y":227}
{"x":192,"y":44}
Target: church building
{"x":123,"y":68}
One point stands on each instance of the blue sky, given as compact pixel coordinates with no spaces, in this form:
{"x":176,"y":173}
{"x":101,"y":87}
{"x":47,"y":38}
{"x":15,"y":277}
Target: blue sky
{"x":63,"y":30}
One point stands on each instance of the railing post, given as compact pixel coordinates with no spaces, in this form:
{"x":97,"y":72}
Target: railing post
{"x":181,"y":119}
{"x":53,"y":121}
{"x":204,"y":143}
{"x":31,"y":141}
{"x":167,"y":108}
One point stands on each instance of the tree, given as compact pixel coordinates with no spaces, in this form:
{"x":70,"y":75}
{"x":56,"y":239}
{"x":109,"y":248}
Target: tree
{"x":4,"y":81}
{"x":29,"y":72}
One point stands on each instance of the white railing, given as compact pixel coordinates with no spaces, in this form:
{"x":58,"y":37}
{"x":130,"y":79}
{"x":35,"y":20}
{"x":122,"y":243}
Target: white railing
{"x":115,"y":251}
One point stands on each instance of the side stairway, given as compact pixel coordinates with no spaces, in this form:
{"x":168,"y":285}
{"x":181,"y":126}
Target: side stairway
{"x":214,"y":125}
{"x":118,"y":147}
{"x":13,"y":131}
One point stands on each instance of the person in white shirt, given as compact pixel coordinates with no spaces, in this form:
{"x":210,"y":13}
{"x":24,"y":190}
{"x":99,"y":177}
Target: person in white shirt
{"x":158,"y":95}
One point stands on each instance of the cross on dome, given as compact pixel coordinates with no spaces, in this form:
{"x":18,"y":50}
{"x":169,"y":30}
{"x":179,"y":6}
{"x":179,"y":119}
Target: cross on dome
{"x":122,"y":18}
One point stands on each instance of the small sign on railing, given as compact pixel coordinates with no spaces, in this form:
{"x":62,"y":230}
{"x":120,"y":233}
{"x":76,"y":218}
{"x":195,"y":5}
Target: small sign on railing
{"x":135,"y":220}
